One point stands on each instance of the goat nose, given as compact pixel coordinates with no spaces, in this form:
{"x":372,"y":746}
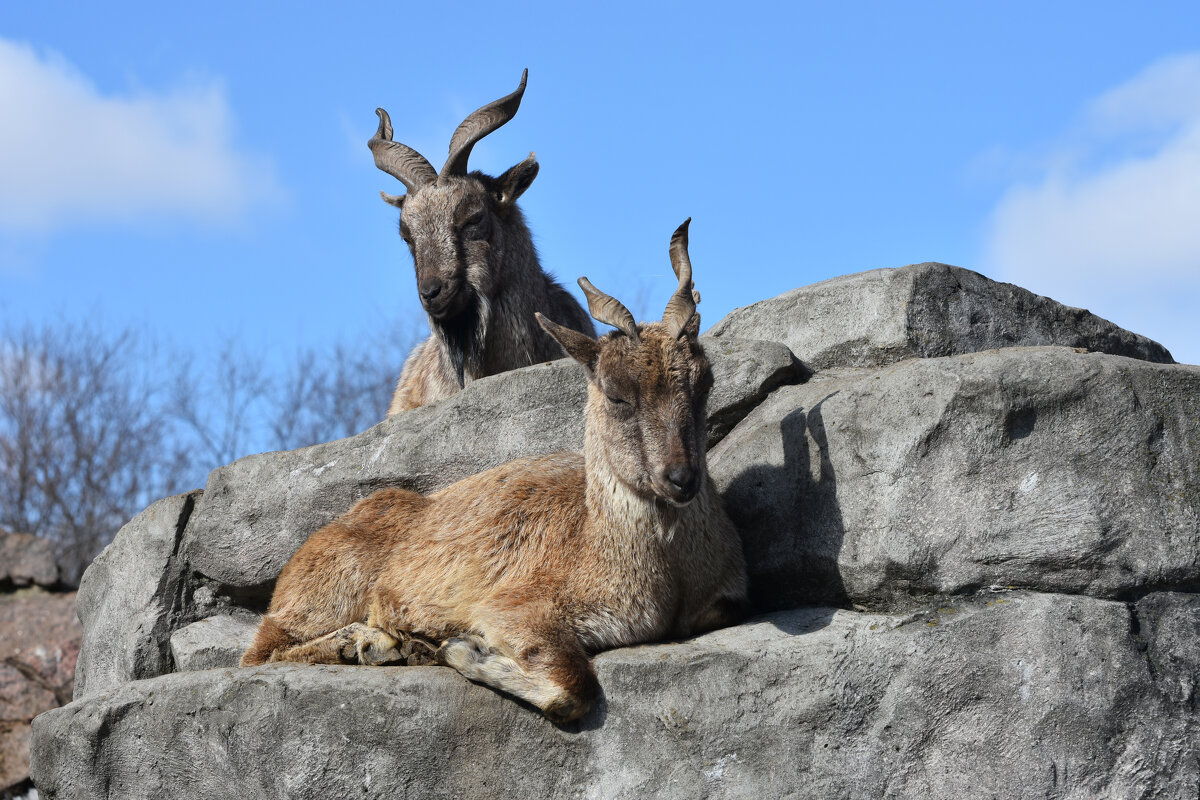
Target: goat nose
{"x":430,"y":289}
{"x":682,"y":477}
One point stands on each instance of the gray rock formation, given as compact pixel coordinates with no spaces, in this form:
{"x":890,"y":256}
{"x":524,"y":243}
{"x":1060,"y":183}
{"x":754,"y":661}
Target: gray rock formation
{"x":922,"y":311}
{"x":997,"y":552}
{"x":806,"y":703}
{"x":131,"y":598}
{"x":213,"y":642}
{"x":1033,"y":467}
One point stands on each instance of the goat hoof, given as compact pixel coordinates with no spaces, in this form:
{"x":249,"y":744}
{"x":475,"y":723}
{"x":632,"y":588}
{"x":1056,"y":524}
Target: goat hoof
{"x":374,"y":648}
{"x":347,"y":643}
{"x":565,"y":709}
{"x":372,"y":655}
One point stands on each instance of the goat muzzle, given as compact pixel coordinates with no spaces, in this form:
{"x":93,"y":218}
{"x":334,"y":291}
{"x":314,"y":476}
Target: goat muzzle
{"x":678,"y":483}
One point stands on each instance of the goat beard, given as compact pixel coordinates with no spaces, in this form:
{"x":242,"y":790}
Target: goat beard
{"x":463,"y":337}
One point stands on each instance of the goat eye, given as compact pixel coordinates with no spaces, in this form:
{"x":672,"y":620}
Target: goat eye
{"x":405,"y":233}
{"x":476,"y":225}
{"x":619,"y":408}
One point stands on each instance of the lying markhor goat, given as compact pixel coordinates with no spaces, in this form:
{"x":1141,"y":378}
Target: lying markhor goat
{"x":522,"y":571}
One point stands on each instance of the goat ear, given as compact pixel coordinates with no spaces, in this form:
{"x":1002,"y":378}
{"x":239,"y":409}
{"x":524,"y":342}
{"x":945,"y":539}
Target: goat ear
{"x":692,"y":328}
{"x":578,"y":346}
{"x":396,"y":200}
{"x":515,"y":180}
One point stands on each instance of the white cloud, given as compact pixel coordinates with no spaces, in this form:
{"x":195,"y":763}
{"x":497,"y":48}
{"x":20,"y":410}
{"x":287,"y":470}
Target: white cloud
{"x":1113,"y":224}
{"x":1163,"y":94}
{"x":69,"y":153}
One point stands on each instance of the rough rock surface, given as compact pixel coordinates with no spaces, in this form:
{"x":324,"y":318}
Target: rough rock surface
{"x":806,"y":703}
{"x":26,"y":560}
{"x":903,"y":489}
{"x":1034,"y":467}
{"x":131,"y":598}
{"x":213,"y":642}
{"x":39,"y":644}
{"x":744,"y":373}
{"x":922,"y":311}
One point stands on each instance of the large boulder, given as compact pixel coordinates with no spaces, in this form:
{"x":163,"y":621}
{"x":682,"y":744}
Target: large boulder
{"x":922,"y":311}
{"x":132,"y":596}
{"x":1032,"y":467}
{"x":808,"y":703}
{"x":903,"y":489}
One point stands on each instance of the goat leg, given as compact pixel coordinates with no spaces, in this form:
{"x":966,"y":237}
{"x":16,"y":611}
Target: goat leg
{"x":354,"y":644}
{"x":557,"y":679}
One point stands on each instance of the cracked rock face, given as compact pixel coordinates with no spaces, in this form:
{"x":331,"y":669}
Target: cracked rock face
{"x":974,"y":544}
{"x":130,"y":599}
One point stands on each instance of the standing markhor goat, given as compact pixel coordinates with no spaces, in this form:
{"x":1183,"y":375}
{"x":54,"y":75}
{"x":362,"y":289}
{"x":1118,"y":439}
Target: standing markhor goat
{"x":522,"y":571}
{"x":477,"y":270}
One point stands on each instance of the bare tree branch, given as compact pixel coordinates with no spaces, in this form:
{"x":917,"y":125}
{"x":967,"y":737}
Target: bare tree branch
{"x":95,"y":426}
{"x":84,"y":443}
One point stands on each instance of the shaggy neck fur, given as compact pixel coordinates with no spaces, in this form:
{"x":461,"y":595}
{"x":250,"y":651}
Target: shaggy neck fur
{"x":463,"y":340}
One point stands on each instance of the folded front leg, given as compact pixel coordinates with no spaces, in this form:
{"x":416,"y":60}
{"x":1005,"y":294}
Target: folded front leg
{"x":552,"y":673}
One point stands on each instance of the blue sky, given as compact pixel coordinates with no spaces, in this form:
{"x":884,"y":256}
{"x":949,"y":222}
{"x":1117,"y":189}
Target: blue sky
{"x":201,"y":170}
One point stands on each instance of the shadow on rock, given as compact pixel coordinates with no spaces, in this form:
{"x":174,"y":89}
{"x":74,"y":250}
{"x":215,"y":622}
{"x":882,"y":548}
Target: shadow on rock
{"x":790,"y":520}
{"x":592,"y":721}
{"x":800,"y":621}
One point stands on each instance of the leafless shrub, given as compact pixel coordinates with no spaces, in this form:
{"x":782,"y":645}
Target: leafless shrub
{"x":84,"y":442}
{"x":96,"y":426}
